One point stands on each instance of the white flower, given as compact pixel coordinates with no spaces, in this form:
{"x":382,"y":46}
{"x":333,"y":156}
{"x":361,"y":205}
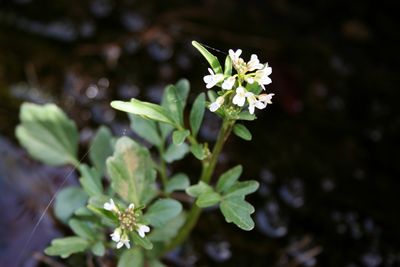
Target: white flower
{"x":254,"y":63}
{"x":142,"y":229}
{"x":253,"y":102}
{"x":235,"y":56}
{"x":240,"y":96}
{"x":228,"y":83}
{"x":110,"y":206}
{"x":124,"y":241}
{"x":266,"y":98}
{"x":116,"y":236}
{"x":261,"y":76}
{"x":212,"y":79}
{"x":217,"y":104}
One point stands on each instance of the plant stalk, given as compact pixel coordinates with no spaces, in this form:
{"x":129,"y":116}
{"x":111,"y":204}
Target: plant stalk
{"x":208,"y":166}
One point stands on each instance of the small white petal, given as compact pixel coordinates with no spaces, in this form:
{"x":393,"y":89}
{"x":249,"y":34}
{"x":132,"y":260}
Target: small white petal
{"x":131,"y":206}
{"x":116,"y":235}
{"x":119,"y":245}
{"x":143,"y":229}
{"x":228,"y":83}
{"x":260,"y":105}
{"x":110,"y":205}
{"x":214,"y":106}
{"x":251,"y":108}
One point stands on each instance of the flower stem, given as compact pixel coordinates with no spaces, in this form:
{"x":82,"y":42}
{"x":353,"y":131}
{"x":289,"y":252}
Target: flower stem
{"x":206,"y":174}
{"x":162,"y":166}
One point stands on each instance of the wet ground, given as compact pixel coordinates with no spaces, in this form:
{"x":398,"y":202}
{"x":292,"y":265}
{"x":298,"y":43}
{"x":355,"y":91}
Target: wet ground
{"x":324,"y":152}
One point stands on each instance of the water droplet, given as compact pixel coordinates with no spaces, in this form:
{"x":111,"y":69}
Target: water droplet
{"x":92,"y":91}
{"x":218,"y":251}
{"x":269,"y":222}
{"x":293,"y":193}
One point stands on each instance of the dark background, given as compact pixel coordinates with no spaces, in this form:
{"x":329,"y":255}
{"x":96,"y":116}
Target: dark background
{"x":324,"y":152}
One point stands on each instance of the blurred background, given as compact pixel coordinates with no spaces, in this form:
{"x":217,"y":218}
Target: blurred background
{"x":324,"y":152}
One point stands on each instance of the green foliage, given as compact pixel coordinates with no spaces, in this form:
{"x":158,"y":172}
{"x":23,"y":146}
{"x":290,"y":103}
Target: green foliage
{"x":131,"y":258}
{"x":145,"y":128}
{"x":198,"y":151}
{"x":175,"y":99}
{"x":232,"y":203}
{"x":176,"y":152}
{"x":144,"y":109}
{"x":179,"y":136}
{"x":101,"y":148}
{"x":66,"y":246}
{"x":241,"y":131}
{"x":238,"y":211}
{"x":169,"y":230}
{"x":48,"y":135}
{"x":98,"y":249}
{"x":144,"y":242}
{"x":246,"y":116}
{"x":83,"y":229}
{"x":131,"y":171}
{"x":68,"y":200}
{"x":228,"y":66}
{"x":162,"y":211}
{"x":90,"y":180}
{"x":212,"y":60}
{"x":179,"y":181}
{"x":207,"y":199}
{"x":197,"y":113}
{"x":198,"y":189}
{"x":228,"y":178}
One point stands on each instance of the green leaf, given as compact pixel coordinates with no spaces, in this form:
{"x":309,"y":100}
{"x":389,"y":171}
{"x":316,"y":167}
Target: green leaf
{"x":198,"y":189}
{"x":228,"y":178}
{"x":228,"y":66}
{"x":131,"y":258}
{"x":98,"y":249}
{"x":197,"y":113}
{"x":208,"y":199}
{"x":144,"y":242}
{"x":238,"y":211}
{"x":68,"y":200}
{"x":170,"y":230}
{"x":82,"y":229}
{"x":212,"y":60}
{"x":212,"y":95}
{"x":90,"y":180}
{"x":197,"y":151}
{"x":175,"y":99}
{"x":101,"y":148}
{"x":242,"y":189}
{"x":131,"y":170}
{"x":246,"y":116}
{"x":241,"y":131}
{"x":162,"y":211}
{"x":66,"y":246}
{"x":156,"y":263}
{"x":175,"y":152}
{"x":145,"y":128}
{"x":48,"y":135}
{"x":179,"y":181}
{"x":178,"y":136}
{"x":144,"y":109}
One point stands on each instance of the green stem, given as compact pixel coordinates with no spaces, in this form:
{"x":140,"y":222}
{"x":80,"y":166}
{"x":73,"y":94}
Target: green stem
{"x":207,"y":171}
{"x":163,"y":166}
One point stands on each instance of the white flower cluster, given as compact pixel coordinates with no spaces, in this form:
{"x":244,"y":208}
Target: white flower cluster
{"x":127,"y":220}
{"x":250,"y":72}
